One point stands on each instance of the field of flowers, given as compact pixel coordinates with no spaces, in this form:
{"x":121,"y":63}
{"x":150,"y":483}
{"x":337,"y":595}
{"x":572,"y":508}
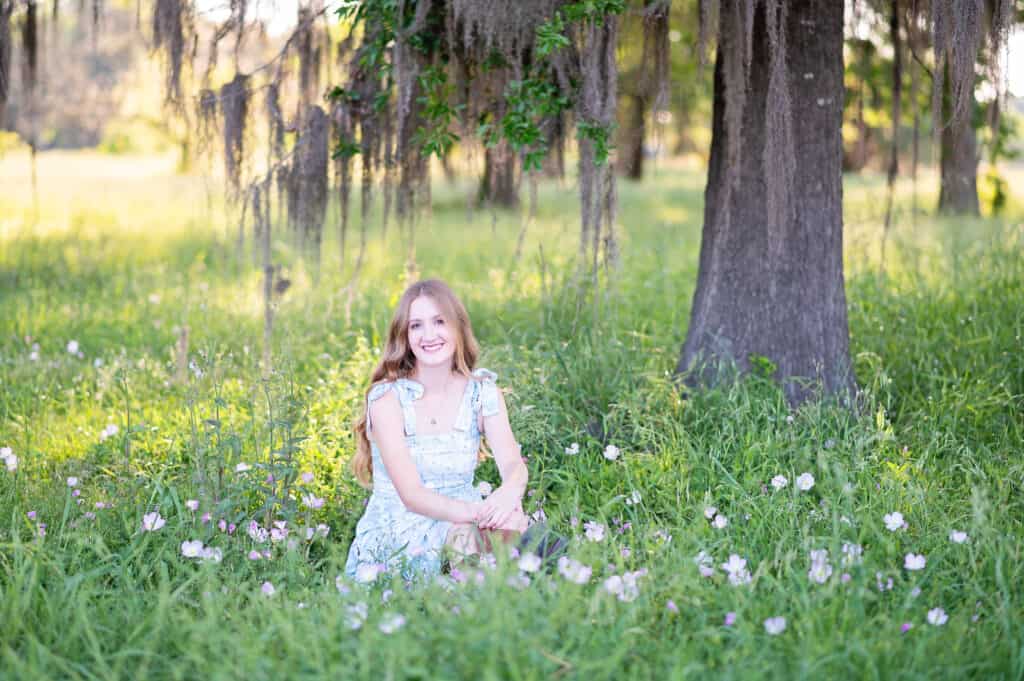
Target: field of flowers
{"x":168,"y":513}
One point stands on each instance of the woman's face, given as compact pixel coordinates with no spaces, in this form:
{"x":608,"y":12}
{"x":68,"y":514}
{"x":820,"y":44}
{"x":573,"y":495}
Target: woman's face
{"x":431,"y":336}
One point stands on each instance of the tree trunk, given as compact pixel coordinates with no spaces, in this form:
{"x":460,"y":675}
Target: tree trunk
{"x":684,"y":143}
{"x":958,"y":158}
{"x":499,"y":185}
{"x":631,"y":163}
{"x":766,"y":287}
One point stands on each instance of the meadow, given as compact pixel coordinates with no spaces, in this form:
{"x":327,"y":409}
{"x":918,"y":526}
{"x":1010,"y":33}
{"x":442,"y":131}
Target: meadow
{"x":715,"y":534}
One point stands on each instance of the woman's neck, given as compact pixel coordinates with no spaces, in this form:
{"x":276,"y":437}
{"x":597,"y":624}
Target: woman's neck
{"x":433,"y":379}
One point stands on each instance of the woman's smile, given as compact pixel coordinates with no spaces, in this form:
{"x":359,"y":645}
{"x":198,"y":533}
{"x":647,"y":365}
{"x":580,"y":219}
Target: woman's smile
{"x":430,"y":335}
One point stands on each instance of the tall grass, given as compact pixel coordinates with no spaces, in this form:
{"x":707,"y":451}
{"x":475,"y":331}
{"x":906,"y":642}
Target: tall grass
{"x":936,"y":341}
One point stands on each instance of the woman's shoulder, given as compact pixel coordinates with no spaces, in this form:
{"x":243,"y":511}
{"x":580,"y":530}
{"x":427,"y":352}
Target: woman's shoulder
{"x":405,"y":388}
{"x":486,"y":396}
{"x":484,"y":375}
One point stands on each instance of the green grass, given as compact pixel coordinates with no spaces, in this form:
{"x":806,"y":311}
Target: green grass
{"x":120,"y":260}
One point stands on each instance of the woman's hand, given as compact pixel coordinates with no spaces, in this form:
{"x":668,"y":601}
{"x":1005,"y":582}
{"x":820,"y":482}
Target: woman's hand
{"x":500,"y":507}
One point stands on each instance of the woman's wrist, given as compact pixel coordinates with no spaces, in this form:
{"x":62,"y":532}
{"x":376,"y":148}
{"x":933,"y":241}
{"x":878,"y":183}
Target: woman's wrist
{"x":517,"y":480}
{"x":471,"y":511}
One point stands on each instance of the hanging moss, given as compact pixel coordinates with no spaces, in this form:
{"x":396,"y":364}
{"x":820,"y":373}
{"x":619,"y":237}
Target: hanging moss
{"x":342,"y":129}
{"x":275,"y":122}
{"x":654,"y":64}
{"x":234,"y":105}
{"x":304,"y":48}
{"x":29,"y":47}
{"x":709,"y":12}
{"x":169,"y":34}
{"x":6,"y":10}
{"x":206,"y":120}
{"x":310,"y":177}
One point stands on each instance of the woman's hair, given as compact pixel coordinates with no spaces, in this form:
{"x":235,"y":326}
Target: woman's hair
{"x":398,"y":361}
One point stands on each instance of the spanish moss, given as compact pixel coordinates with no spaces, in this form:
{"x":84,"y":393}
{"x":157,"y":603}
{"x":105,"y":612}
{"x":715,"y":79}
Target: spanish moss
{"x":310,"y":178}
{"x":234,"y":104}
{"x":6,"y":10}
{"x":169,"y":18}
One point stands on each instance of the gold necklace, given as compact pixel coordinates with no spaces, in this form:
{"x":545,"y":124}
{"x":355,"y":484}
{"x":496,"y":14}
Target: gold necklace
{"x":444,"y":395}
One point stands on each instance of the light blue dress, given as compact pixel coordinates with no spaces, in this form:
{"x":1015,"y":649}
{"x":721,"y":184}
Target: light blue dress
{"x":389,"y":535}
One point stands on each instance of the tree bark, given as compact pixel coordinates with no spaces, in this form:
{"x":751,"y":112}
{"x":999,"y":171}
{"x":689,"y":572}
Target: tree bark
{"x":631,"y":162}
{"x":499,"y":185}
{"x":765,"y":287}
{"x":958,"y":158}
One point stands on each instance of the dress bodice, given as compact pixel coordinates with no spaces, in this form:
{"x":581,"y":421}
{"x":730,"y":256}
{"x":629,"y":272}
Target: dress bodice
{"x":445,"y":461}
{"x":388,"y":533}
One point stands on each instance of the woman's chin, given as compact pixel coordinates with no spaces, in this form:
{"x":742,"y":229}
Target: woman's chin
{"x":431,"y":360}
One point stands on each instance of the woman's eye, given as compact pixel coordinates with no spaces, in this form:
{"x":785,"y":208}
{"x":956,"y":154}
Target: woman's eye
{"x":439,"y":322}
{"x":414,"y":326}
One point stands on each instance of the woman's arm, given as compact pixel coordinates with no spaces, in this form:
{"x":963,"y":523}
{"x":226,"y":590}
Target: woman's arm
{"x":388,"y":429}
{"x":507,"y":500}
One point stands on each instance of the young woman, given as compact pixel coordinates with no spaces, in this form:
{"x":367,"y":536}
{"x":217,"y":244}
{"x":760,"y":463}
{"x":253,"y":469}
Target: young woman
{"x":419,"y":441}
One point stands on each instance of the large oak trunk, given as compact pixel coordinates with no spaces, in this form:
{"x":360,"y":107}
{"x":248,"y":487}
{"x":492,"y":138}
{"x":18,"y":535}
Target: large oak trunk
{"x":774,"y":287}
{"x":958,"y":160}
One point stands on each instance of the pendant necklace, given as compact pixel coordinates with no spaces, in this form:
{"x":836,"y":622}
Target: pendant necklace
{"x":444,"y":393}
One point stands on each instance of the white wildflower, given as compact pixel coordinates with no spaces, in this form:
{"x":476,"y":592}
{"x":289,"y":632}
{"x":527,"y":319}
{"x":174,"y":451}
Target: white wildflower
{"x":391,"y":623}
{"x":594,"y":531}
{"x":775,"y":625}
{"x":529,"y":562}
{"x":357,"y":613}
{"x":894,"y":521}
{"x":191,"y":549}
{"x":573,"y":570}
{"x":804,"y":482}
{"x":705,"y":564}
{"x":852,"y":553}
{"x":914,"y":561}
{"x":367,"y":572}
{"x":312,"y":501}
{"x":958,"y":536}
{"x":151,"y":522}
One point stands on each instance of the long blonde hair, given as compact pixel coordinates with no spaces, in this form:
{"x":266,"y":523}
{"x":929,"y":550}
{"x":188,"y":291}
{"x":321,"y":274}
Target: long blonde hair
{"x":398,"y":361}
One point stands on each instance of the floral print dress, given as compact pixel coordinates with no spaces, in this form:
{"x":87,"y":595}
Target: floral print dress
{"x":390,"y":535}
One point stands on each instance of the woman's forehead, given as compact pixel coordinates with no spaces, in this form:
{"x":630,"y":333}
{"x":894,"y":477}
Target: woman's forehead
{"x":424,"y":307}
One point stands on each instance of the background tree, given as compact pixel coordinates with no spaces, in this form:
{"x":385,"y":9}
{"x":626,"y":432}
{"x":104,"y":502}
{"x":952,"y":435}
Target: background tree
{"x":522,"y":79}
{"x":770,"y":290}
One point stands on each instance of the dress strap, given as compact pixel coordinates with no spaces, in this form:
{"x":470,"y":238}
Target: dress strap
{"x":486,"y":393}
{"x":466,"y":407}
{"x":407,"y":391}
